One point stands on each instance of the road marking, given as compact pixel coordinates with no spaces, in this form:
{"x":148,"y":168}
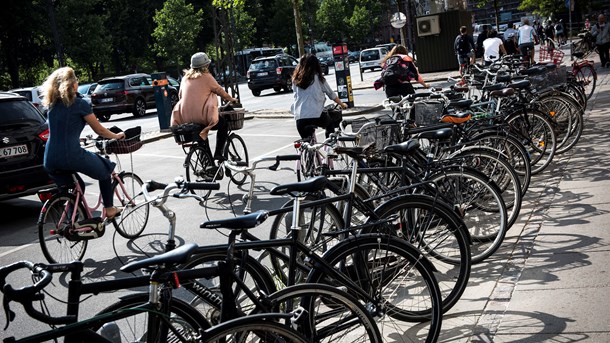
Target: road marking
{"x":264,"y":135}
{"x":162,"y":156}
{"x":21,"y":247}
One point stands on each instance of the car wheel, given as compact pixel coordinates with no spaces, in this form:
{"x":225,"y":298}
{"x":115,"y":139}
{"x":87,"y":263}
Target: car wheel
{"x":256,"y":92}
{"x":173,"y":99}
{"x":103,"y":117}
{"x":288,"y":85}
{"x":277,"y":89}
{"x":139,"y":108}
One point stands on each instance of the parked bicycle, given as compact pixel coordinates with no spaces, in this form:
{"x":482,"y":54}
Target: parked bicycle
{"x":67,"y":223}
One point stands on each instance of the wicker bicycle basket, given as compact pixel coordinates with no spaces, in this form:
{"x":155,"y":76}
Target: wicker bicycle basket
{"x":427,"y":113}
{"x":129,"y":144}
{"x":234,"y":118}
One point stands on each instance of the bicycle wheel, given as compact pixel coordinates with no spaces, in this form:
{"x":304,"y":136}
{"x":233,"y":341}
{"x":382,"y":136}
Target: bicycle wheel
{"x":433,"y":228}
{"x":562,"y":116}
{"x":536,"y":133}
{"x":58,"y":238}
{"x":313,"y":223}
{"x":252,"y":329}
{"x":330,"y":314}
{"x":198,"y":164}
{"x":251,"y":273}
{"x":306,"y":166}
{"x":128,"y":194}
{"x":236,"y":151}
{"x":395,"y":275}
{"x":587,"y":75}
{"x":477,"y":201}
{"x":185,"y":321}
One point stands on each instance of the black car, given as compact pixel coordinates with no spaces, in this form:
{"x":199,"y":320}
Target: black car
{"x":23,"y":135}
{"x":326,"y":63}
{"x":129,"y":93}
{"x":271,"y":72}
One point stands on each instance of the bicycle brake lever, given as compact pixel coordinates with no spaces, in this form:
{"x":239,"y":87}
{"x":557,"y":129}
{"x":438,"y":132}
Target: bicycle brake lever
{"x":10,"y":315}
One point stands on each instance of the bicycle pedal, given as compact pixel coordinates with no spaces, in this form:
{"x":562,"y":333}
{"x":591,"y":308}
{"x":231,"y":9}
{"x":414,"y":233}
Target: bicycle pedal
{"x":90,"y":228}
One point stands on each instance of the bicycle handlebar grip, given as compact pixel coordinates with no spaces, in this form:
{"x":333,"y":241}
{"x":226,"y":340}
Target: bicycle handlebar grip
{"x":346,"y":139}
{"x":202,"y":186}
{"x":293,"y":157}
{"x":25,"y":293}
{"x":152,"y":185}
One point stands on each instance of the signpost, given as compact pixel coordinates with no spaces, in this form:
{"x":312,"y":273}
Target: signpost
{"x":342,"y":73}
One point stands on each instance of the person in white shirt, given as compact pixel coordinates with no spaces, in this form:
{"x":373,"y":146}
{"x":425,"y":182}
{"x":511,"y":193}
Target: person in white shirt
{"x":492,"y":48}
{"x":527,"y":38}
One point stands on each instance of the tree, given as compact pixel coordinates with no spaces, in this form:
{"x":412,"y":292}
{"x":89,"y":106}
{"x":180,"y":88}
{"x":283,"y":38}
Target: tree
{"x":331,"y":18}
{"x":360,"y":24}
{"x":281,"y":27}
{"x":544,"y":8}
{"x":177,"y":27}
{"x":494,"y":4}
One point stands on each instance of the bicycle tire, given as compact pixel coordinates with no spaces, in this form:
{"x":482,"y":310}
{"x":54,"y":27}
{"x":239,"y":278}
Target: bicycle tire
{"x":395,"y":274}
{"x":198,"y":160}
{"x":433,"y":228}
{"x":500,"y":171}
{"x":319,"y":220}
{"x":135,"y":208}
{"x":331,"y":314}
{"x":587,"y":74}
{"x":250,"y":271}
{"x":235,"y":150}
{"x":577,"y":126}
{"x":69,"y":247}
{"x":306,"y":166}
{"x":477,"y":201}
{"x":561,"y":115}
{"x":184,"y":318}
{"x":536,"y":132}
{"x":252,"y":329}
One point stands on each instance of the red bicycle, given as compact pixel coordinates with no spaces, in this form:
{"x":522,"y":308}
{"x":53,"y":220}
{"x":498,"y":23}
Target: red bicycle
{"x":585,"y":72}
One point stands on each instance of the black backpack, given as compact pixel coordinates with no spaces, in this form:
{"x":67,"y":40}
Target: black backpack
{"x":398,"y":71}
{"x":462,"y":47}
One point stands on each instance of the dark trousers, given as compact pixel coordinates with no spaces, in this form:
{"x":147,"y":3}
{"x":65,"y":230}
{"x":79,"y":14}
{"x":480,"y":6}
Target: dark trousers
{"x":64,"y":179}
{"x":403,"y":89}
{"x":221,"y":137}
{"x":604,"y":53}
{"x":307,"y":127}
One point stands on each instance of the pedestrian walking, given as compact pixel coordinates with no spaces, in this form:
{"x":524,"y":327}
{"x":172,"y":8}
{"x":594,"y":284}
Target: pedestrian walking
{"x":601,"y":33}
{"x":464,"y":49}
{"x":549,"y":32}
{"x":309,"y":87}
{"x":493,"y":48}
{"x":560,"y":32}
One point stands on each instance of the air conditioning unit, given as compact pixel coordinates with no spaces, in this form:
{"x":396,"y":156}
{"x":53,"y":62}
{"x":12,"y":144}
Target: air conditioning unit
{"x":428,"y":26}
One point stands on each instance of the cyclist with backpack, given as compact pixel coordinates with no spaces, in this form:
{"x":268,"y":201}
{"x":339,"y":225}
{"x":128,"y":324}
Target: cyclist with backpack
{"x":464,"y":49}
{"x":398,"y":71}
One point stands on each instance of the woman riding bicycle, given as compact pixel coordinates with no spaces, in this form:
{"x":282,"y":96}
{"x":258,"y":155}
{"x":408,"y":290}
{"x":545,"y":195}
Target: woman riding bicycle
{"x":309,"y":89}
{"x":199,"y":102}
{"x":67,"y":116}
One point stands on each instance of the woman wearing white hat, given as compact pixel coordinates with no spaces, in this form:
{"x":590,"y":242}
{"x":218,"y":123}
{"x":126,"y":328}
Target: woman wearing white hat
{"x":199,"y":103}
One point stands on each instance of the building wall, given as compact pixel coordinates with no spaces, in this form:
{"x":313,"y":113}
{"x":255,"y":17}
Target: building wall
{"x":508,"y":12}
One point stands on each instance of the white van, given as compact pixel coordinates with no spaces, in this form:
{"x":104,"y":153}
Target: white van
{"x":371,"y":58}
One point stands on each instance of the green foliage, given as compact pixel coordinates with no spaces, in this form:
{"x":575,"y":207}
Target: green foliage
{"x":281,"y":25}
{"x":360,"y":24}
{"x":543,"y":7}
{"x":331,"y":17}
{"x":177,"y":28}
{"x":244,"y":25}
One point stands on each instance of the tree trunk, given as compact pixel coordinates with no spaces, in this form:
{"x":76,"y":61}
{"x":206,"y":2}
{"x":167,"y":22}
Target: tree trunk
{"x":297,"y":27}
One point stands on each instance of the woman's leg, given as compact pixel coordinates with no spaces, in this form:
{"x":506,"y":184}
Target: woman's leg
{"x":307,"y":126}
{"x":100,"y":169}
{"x":221,"y":137}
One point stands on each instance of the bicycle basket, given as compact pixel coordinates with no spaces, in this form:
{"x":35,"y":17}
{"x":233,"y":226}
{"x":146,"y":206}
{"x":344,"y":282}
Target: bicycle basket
{"x":129,"y":144}
{"x":234,"y":118}
{"x":186,"y":133}
{"x":427,"y":113}
{"x":334,"y":114}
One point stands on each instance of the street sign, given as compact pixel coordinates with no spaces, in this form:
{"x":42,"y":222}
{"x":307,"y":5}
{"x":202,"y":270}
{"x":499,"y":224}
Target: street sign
{"x":398,"y":20}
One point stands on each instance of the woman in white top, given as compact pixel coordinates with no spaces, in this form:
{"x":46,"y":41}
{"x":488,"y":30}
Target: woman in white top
{"x":309,"y":88}
{"x":493,"y":47}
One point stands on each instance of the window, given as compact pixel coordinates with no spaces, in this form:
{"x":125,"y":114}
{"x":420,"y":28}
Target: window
{"x":110,"y":85}
{"x":18,"y":111}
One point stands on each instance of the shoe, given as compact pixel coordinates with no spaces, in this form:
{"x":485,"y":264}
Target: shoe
{"x":117,"y":212}
{"x":607,"y":64}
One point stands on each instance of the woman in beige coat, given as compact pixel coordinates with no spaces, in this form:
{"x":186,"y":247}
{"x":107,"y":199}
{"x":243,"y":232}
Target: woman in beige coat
{"x":199,"y":103}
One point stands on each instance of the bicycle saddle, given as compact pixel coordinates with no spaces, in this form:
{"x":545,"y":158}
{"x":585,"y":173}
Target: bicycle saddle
{"x":438,"y":134}
{"x":578,"y":54}
{"x":238,"y":223}
{"x":503,"y":92}
{"x":353,"y":151}
{"x":522,"y":84}
{"x":314,"y":184}
{"x":459,"y":117}
{"x":493,"y":87}
{"x":403,"y":148}
{"x":176,"y":256}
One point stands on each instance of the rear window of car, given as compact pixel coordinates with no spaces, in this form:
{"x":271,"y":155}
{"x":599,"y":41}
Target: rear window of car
{"x":110,"y":85}
{"x":263,"y":65}
{"x":370,"y":55}
{"x":26,"y":94}
{"x":18,"y":111}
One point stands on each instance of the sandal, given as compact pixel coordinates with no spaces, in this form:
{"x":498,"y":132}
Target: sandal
{"x":117,"y":212}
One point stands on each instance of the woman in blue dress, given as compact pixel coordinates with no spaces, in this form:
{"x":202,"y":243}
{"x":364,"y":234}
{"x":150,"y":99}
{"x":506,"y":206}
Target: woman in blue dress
{"x":67,"y":116}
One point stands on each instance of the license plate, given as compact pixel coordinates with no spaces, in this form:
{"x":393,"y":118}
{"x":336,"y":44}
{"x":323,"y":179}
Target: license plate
{"x":12,"y":151}
{"x":106,"y":100}
{"x":264,"y":73}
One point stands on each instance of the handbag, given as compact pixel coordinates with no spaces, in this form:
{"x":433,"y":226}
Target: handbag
{"x":334,"y":112}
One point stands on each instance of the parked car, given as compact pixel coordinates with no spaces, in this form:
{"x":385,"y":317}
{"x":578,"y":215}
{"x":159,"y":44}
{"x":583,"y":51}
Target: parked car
{"x":388,"y":46}
{"x":86,"y":89}
{"x":325,"y":63}
{"x":128,"y":93}
{"x":271,"y":72}
{"x":174,"y":83}
{"x":371,"y":58}
{"x":23,"y":135}
{"x":353,"y":56}
{"x":33,"y":94}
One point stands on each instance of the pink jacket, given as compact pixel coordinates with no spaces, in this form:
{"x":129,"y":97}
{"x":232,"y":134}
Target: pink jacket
{"x":198,"y":102}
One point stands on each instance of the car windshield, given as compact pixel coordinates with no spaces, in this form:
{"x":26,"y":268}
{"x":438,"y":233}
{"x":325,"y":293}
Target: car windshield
{"x":370,"y":55}
{"x":110,"y":85}
{"x":27,"y":94}
{"x":83,"y":89}
{"x":263,"y":65}
{"x":16,"y":112}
